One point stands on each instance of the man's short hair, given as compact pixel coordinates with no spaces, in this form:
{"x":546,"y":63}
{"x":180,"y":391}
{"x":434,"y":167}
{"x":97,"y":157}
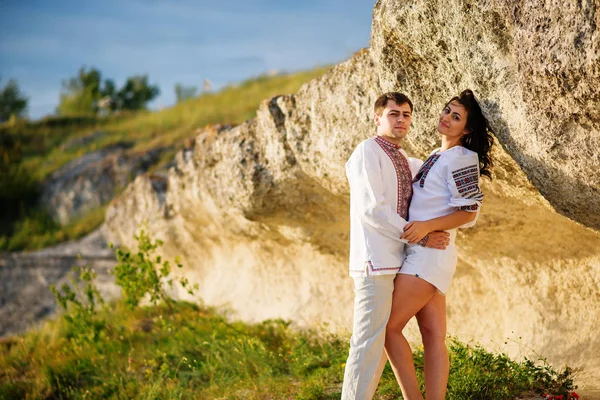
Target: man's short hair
{"x":398,"y":98}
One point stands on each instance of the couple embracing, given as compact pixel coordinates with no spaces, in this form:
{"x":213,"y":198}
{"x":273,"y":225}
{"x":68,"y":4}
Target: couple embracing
{"x":404,"y":214}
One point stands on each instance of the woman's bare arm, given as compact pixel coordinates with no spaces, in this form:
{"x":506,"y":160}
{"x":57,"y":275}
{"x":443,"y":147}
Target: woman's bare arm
{"x":416,"y":230}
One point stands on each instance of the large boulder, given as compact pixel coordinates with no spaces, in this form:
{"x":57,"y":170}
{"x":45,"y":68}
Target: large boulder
{"x":259,"y":212}
{"x":536,"y":68}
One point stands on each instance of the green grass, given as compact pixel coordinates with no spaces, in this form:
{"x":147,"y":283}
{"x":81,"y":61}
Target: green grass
{"x":195,"y":352}
{"x":37,"y":230}
{"x":31,"y":151}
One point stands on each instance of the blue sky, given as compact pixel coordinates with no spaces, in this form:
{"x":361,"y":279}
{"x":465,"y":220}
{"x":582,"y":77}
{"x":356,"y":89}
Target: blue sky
{"x":43,"y":43}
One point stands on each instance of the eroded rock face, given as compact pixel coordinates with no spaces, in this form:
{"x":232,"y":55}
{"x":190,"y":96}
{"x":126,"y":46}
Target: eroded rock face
{"x":259,"y":212}
{"x":535,"y":67}
{"x":92,"y":181}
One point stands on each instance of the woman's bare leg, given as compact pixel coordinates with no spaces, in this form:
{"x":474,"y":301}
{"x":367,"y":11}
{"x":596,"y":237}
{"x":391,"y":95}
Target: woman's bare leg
{"x":432,"y":323}
{"x":410,"y":295}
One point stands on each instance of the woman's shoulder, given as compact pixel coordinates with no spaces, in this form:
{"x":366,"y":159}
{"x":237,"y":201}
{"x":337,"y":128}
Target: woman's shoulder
{"x":435,"y":151}
{"x":459,"y":152}
{"x":458,"y":157}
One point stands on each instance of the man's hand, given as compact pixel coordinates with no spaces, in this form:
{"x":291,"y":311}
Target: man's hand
{"x":415,"y":231}
{"x":437,"y":240}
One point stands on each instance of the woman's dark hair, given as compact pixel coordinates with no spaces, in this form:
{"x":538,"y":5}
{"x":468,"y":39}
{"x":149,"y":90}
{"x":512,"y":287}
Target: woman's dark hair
{"x":479,"y":139}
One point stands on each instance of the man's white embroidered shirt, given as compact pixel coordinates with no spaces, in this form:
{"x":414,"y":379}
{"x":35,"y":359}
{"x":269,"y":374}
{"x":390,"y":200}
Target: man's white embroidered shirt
{"x":380,"y":175}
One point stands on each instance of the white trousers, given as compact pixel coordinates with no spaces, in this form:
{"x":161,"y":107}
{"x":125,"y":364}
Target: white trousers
{"x":372,"y":308}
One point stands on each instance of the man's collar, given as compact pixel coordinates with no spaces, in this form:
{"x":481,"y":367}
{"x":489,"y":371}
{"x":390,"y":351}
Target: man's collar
{"x":382,"y":141}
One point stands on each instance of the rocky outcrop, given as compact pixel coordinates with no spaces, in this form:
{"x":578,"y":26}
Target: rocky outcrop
{"x":259,"y":212}
{"x":93,"y":180}
{"x":535,"y":67}
{"x":25,"y":279}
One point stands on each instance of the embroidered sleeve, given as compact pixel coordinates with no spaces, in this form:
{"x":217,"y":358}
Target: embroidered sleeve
{"x":366,"y":190}
{"x":463,"y":182}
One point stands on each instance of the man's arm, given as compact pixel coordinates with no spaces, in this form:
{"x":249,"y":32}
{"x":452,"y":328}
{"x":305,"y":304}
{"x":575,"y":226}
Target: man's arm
{"x":436,"y":240}
{"x":366,"y":186}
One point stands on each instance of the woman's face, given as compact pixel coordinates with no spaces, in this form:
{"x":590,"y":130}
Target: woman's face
{"x":453,"y":120}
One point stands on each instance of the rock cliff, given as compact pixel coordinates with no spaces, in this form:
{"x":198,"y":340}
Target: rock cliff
{"x":259,"y":212}
{"x":92,"y":180}
{"x":535,"y":65}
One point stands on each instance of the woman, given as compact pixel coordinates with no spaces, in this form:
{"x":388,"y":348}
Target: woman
{"x":446,"y":195}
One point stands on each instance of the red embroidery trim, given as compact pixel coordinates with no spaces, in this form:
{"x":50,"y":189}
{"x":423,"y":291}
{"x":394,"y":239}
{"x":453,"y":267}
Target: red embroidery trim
{"x":466,"y":179}
{"x":424,"y":170}
{"x":370,"y":264}
{"x":403,"y":175}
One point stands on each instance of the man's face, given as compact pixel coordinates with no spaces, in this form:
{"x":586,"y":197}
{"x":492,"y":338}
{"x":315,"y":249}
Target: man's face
{"x":394,"y":121}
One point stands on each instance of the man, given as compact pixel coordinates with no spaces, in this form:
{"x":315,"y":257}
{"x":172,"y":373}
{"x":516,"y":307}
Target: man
{"x":380,"y":175}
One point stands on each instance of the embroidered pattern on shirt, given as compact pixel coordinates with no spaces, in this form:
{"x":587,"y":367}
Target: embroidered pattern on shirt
{"x":425,"y":168}
{"x":467,"y":184}
{"x":370,"y":265}
{"x":403,"y":175}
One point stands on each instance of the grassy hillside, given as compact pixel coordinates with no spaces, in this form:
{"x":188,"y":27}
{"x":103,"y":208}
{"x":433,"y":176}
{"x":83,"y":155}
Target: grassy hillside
{"x":29,"y":152}
{"x":196,"y":353}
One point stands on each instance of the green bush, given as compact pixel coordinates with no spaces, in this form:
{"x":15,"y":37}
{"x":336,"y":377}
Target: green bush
{"x":35,"y":230}
{"x":142,"y":273}
{"x":80,"y":302}
{"x":18,"y":189}
{"x":477,"y":373}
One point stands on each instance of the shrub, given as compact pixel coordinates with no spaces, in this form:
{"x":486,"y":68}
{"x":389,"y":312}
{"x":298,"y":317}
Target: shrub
{"x":80,"y":303}
{"x":144,"y":274}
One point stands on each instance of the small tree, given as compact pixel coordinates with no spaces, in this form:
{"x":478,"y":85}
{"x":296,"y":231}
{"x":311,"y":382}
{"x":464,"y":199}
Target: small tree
{"x":144,"y":274}
{"x":86,"y":93}
{"x":185,"y":92}
{"x":81,"y":93}
{"x":80,"y":302}
{"x":136,"y":93}
{"x":12,"y":101}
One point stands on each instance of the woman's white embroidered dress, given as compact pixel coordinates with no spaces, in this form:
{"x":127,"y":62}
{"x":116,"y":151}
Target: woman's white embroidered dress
{"x":448,"y":181}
